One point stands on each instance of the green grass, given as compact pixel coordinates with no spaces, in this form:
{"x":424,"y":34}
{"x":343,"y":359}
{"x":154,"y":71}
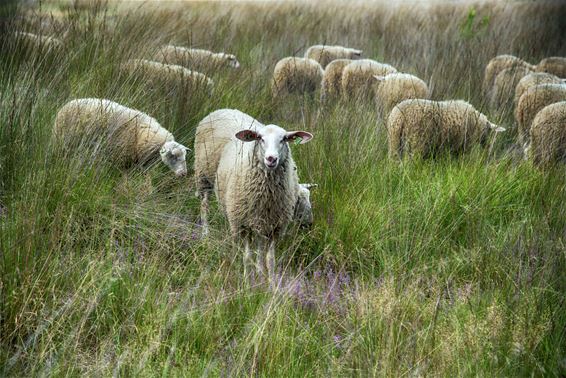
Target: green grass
{"x":445,"y":267}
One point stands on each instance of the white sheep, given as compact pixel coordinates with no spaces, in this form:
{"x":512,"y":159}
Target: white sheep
{"x":131,"y":135}
{"x":332,"y":79}
{"x":425,"y":127}
{"x":532,"y":101}
{"x":498,"y":64}
{"x":256,"y":181}
{"x":555,"y":65}
{"x":196,"y":59}
{"x":393,"y":88}
{"x":168,"y":75}
{"x":358,"y":77}
{"x":532,"y":79}
{"x":548,"y":135}
{"x":294,"y":74}
{"x":324,"y":54}
{"x":41,"y":43}
{"x":503,"y":89}
{"x":212,"y":134}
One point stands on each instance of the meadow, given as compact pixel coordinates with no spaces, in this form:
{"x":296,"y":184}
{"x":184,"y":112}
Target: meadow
{"x":453,"y":266}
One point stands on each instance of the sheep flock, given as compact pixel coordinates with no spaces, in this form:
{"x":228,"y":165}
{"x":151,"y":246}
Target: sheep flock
{"x":248,"y":163}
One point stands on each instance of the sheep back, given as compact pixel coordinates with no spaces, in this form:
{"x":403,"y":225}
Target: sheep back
{"x":397,"y":87}
{"x":532,"y":101}
{"x":555,"y":65}
{"x":357,"y":77}
{"x":548,"y":135}
{"x":294,"y":74}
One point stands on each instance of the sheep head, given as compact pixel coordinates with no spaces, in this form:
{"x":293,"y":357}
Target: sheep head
{"x":173,"y":154}
{"x":273,"y":143}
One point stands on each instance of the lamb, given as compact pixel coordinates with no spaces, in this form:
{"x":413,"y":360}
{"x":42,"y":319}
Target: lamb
{"x":332,"y":79}
{"x":168,"y":75}
{"x":132,"y":136}
{"x":195,"y":59}
{"x":548,"y":136}
{"x":358,"y":77}
{"x":504,"y":86}
{"x":325,"y":54}
{"x":396,"y":87}
{"x":498,"y":64}
{"x":532,"y":79}
{"x":294,"y":74}
{"x":555,"y":65}
{"x":42,"y":43}
{"x":425,"y":127}
{"x":212,"y":135}
{"x":256,"y":180}
{"x":532,"y":101}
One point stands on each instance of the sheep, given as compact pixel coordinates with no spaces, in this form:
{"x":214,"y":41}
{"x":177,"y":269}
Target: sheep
{"x":256,"y":182}
{"x":396,"y":87}
{"x":504,"y":86}
{"x":303,"y":208}
{"x":195,"y":59}
{"x":548,"y":135}
{"x":532,"y":79}
{"x":325,"y":54}
{"x":424,"y":127}
{"x":498,"y":64}
{"x":555,"y":65}
{"x":332,"y":79}
{"x":132,"y":135}
{"x":42,"y":43}
{"x":531,"y":102}
{"x":168,"y":75}
{"x":358,"y":77}
{"x":212,"y":134}
{"x":294,"y":74}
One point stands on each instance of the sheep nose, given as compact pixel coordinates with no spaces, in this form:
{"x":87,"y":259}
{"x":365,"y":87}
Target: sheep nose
{"x":271,"y":159}
{"x":181,"y":173}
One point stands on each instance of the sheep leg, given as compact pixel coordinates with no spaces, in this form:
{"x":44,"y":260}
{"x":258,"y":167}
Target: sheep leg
{"x":204,"y":212}
{"x":271,"y":264}
{"x":248,"y":261}
{"x":260,"y":260}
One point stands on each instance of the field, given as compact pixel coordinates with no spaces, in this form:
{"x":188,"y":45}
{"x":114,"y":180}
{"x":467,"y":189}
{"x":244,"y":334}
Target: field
{"x":453,"y":266}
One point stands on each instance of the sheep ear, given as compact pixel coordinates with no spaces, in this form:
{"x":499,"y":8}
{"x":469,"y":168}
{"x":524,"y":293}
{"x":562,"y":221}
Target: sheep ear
{"x":301,"y":137}
{"x":379,"y":78}
{"x":247,"y":135}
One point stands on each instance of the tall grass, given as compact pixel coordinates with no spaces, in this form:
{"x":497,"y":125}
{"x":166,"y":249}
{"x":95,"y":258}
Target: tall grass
{"x":453,"y":266}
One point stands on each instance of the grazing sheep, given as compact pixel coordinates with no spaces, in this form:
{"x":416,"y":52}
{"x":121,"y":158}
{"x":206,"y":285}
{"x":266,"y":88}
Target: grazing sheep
{"x":358,"y":77}
{"x":325,"y":54}
{"x":498,"y":64}
{"x":133,"y":136}
{"x":555,"y":65}
{"x":425,"y":127}
{"x":41,"y":43}
{"x":532,"y":101}
{"x":294,"y":74}
{"x":332,"y":79}
{"x":393,"y":88}
{"x":532,"y":79}
{"x":212,"y":134}
{"x":548,"y":135}
{"x":256,"y":180}
{"x":168,"y":75}
{"x":196,"y":59}
{"x":503,"y":90}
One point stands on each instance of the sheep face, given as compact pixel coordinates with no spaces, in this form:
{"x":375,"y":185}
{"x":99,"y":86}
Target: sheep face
{"x":231,"y":61}
{"x":173,"y":154}
{"x":355,"y":54}
{"x":272,"y":148}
